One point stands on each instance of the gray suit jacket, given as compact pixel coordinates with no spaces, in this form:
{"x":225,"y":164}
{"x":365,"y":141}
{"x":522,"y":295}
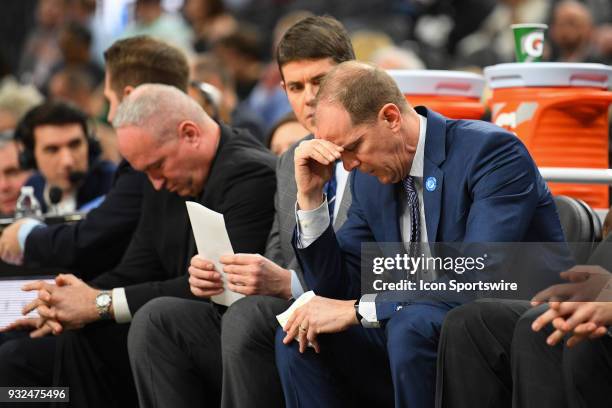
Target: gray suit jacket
{"x":279,"y":248}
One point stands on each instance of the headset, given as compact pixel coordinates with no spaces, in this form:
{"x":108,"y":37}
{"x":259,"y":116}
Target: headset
{"x":24,"y":131}
{"x":6,"y":136}
{"x":211,"y":94}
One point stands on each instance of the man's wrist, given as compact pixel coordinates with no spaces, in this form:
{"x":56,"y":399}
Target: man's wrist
{"x":358,"y":316}
{"x":26,"y":226}
{"x":307,"y":202}
{"x":605,"y":295}
{"x":286,"y":292}
{"x":104,"y":305}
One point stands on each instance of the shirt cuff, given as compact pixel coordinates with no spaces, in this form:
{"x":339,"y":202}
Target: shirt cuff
{"x":311,"y":224}
{"x":367,"y":309}
{"x":605,"y":295}
{"x":25,"y":229}
{"x":296,"y":285}
{"x":90,"y":205}
{"x":121,"y":308}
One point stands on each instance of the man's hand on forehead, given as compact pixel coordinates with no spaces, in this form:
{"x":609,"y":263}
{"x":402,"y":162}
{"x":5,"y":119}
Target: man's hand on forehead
{"x":319,"y":150}
{"x":314,"y":165}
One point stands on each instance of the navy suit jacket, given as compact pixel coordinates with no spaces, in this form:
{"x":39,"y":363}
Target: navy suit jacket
{"x":97,"y":243}
{"x":488,"y":189}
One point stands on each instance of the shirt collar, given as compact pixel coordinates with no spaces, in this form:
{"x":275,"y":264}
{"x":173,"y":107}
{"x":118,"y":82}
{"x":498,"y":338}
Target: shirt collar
{"x":419,"y":156}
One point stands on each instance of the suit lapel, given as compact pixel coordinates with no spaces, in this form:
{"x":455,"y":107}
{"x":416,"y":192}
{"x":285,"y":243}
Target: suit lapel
{"x":390,"y":207}
{"x":345,"y":203}
{"x":433,"y":176}
{"x":432,"y":199}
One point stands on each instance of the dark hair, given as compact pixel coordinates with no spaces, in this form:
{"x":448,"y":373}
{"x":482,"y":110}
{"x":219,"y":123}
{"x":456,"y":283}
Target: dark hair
{"x":141,"y":60}
{"x":314,"y":38}
{"x":288,"y":118}
{"x":78,"y":32}
{"x":362,"y":90}
{"x":48,"y":113}
{"x":246,"y":41}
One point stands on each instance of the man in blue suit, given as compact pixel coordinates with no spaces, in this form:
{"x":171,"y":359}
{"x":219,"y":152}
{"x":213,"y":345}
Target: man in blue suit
{"x":422,"y":178}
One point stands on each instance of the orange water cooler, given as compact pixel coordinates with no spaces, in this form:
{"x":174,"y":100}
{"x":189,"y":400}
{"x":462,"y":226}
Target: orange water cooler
{"x":453,"y":94}
{"x":560,"y":112}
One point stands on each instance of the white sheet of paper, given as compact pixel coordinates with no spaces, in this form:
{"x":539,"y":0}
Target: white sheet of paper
{"x":13,"y":299}
{"x":212,"y":241}
{"x":301,"y":301}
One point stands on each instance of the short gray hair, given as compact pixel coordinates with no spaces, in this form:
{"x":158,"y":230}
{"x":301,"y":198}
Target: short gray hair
{"x":159,"y":109}
{"x":361,"y":89}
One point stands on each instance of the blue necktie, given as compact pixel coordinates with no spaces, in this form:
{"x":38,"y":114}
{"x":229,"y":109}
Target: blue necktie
{"x":415,"y":214}
{"x":330,"y":190}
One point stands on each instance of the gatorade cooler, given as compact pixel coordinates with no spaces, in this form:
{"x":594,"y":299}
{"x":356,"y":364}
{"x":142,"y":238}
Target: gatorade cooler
{"x":451,"y":93}
{"x":560,"y":112}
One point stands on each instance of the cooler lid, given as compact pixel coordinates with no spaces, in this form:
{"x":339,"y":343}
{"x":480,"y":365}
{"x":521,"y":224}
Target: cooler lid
{"x":433,"y":82}
{"x":552,"y":74}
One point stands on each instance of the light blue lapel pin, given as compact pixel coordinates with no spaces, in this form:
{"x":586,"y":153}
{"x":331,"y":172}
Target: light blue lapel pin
{"x":431,"y":183}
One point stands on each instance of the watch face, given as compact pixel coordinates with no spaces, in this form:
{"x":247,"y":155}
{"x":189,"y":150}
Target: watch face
{"x":103,"y":300}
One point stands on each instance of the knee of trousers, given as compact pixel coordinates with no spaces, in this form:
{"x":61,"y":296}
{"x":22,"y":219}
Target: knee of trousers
{"x":524,"y":334}
{"x":246,"y":324}
{"x":148,"y":321}
{"x":458,"y":320}
{"x":580,"y":363}
{"x":471,"y":314}
{"x":410,"y":333}
{"x":474,"y":319}
{"x":287,"y":355}
{"x":12,"y":356}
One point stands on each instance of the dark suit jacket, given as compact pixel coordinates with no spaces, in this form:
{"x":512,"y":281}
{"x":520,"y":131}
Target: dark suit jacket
{"x":279,"y":248}
{"x":488,"y":190}
{"x":98,"y":181}
{"x":240,"y":185}
{"x":97,"y":243}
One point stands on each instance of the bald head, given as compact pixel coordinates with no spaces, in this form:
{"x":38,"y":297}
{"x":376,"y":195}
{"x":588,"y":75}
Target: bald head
{"x":159,"y":109}
{"x":362,"y":90}
{"x":164,"y":133}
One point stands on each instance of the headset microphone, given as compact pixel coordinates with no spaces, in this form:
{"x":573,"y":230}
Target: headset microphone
{"x":55,"y":196}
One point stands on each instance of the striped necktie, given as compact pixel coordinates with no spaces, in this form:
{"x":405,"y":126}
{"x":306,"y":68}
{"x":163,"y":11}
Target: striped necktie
{"x":330,"y":191}
{"x":415,"y":214}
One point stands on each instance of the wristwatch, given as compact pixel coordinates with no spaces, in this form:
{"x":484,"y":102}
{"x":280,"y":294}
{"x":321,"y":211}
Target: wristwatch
{"x":104,"y":302}
{"x":357,"y":314}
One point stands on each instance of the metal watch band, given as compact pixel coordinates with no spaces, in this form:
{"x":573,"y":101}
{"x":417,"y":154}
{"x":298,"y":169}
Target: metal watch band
{"x":105,"y":311}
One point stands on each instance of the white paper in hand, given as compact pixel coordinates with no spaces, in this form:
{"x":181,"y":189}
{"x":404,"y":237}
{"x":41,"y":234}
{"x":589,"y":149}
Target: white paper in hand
{"x":212,"y":242}
{"x":283,"y":318}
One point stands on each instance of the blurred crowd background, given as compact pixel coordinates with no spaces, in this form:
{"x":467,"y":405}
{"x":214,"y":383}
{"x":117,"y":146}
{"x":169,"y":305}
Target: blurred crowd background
{"x":53,"y":48}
